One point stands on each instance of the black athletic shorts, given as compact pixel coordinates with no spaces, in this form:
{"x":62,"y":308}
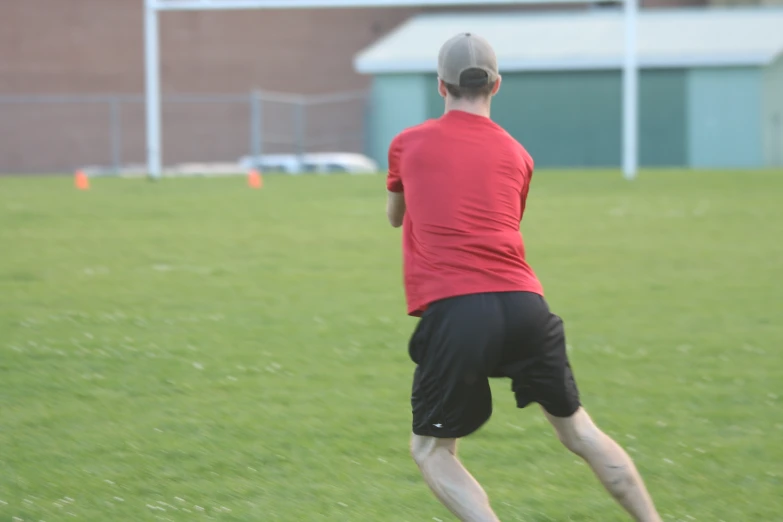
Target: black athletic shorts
{"x":461,"y":342}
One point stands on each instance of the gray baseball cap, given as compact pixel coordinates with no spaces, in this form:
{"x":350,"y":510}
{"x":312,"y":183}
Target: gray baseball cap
{"x":463,"y":58}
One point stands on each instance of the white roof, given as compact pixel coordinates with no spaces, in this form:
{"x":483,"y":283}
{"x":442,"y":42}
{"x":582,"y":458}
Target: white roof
{"x":590,"y":39}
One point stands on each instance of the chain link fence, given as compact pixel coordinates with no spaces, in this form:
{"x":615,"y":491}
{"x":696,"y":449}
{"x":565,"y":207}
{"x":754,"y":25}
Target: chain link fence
{"x":51,"y":134}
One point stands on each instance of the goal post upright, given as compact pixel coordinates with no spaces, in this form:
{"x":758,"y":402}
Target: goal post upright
{"x":153,"y":8}
{"x":630,"y":158}
{"x":152,"y":88}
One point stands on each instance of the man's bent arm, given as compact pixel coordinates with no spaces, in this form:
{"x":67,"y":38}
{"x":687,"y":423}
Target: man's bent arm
{"x":395,"y":208}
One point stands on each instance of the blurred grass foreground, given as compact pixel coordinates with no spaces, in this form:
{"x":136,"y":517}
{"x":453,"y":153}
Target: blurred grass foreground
{"x":194,"y":349}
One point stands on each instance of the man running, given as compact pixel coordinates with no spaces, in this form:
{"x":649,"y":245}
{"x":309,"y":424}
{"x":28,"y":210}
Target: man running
{"x":457,"y":185}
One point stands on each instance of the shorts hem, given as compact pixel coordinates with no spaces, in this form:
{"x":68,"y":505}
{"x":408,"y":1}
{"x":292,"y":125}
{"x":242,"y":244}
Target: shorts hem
{"x":449,"y":434}
{"x":563,"y":413}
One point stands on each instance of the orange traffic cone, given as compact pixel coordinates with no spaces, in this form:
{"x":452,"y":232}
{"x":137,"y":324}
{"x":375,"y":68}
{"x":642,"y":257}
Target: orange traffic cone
{"x":254,"y":179}
{"x":81,"y":180}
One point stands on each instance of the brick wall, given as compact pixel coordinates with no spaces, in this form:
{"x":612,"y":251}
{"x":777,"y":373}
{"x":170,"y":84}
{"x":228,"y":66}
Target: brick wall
{"x":81,"y":47}
{"x":96,"y":47}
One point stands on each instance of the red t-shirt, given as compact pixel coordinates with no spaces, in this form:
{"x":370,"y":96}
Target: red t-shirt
{"x":465,"y":181}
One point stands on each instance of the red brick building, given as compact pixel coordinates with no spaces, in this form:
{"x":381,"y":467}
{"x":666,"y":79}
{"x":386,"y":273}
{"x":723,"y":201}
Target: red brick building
{"x":95,"y":47}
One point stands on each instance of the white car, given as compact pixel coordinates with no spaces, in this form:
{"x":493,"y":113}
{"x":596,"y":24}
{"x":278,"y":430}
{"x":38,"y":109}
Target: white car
{"x":318,"y":163}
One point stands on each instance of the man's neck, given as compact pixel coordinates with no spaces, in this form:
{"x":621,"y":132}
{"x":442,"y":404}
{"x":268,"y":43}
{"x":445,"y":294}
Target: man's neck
{"x":477,"y":108}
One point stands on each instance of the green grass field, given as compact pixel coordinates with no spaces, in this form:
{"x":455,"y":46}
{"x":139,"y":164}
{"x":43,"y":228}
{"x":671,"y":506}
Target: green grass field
{"x":196,"y":350}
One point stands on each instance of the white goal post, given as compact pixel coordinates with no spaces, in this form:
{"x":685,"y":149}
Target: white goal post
{"x":152,"y":57}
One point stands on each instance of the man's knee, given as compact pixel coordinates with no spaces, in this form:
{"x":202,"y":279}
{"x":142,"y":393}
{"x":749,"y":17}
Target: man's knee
{"x":424,"y":448}
{"x":578,"y":433}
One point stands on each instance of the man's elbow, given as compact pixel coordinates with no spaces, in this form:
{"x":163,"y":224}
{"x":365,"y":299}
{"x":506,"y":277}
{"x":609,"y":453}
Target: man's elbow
{"x":395,"y":209}
{"x":394,"y":220}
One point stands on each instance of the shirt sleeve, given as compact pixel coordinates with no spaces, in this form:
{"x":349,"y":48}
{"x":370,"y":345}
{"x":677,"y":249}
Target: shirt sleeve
{"x":393,"y":178}
{"x":529,"y":166}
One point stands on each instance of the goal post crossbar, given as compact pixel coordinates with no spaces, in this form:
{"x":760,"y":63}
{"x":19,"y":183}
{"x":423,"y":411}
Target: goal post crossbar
{"x":152,"y":8}
{"x":219,"y":5}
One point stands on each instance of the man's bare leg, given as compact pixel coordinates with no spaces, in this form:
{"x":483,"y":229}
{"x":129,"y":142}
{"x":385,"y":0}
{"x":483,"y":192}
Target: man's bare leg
{"x":611,"y":464}
{"x":451,"y":483}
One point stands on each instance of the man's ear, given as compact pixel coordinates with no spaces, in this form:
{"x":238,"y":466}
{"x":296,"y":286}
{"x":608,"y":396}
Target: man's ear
{"x":442,"y":88}
{"x":496,"y":88}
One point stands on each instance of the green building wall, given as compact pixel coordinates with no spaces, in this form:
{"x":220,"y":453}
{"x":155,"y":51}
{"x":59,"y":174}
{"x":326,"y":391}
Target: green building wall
{"x":772,"y":113}
{"x":725,"y":118}
{"x":574,"y":119}
{"x":565,"y":119}
{"x":397,"y":101}
{"x":703,"y":118}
